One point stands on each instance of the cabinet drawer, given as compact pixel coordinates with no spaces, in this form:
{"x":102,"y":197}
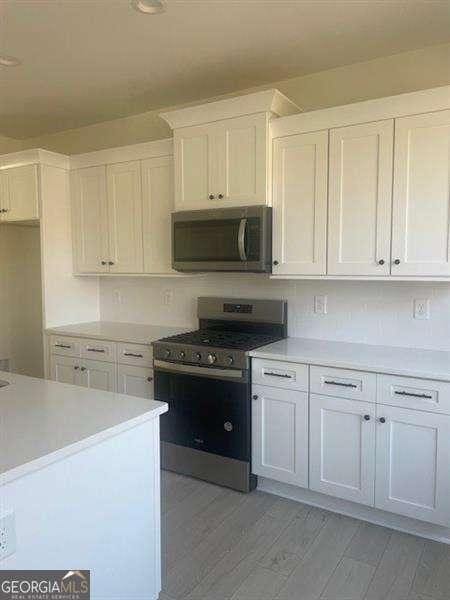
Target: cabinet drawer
{"x":355,"y":385}
{"x":134,"y":354}
{"x":274,"y":373}
{"x":98,"y":350}
{"x":65,"y":346}
{"x":419,"y":394}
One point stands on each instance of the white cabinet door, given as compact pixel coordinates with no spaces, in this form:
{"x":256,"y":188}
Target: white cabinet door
{"x":65,"y":369}
{"x":90,"y":220}
{"x":300,"y":173}
{"x":126,"y":253}
{"x":193,"y":158}
{"x":98,"y":375}
{"x":240,"y":161}
{"x":158,"y":204}
{"x":342,"y":448}
{"x":135,"y":381}
{"x":421,"y":206}
{"x":280,"y":434}
{"x":23,"y":196}
{"x":360,"y":185}
{"x":413,"y":455}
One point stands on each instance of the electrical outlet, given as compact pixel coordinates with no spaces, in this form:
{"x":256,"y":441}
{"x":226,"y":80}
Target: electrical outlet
{"x":421,"y":308}
{"x":320,"y":305}
{"x":7,"y":534}
{"x":117,"y":295}
{"x":167,"y":297}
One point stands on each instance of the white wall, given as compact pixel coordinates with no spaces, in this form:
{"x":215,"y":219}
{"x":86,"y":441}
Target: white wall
{"x":368,"y":312}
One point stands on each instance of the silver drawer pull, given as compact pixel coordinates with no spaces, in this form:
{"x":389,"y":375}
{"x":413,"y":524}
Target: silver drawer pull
{"x":63,"y":346}
{"x":284,"y":375}
{"x":427,"y":396}
{"x":101,"y":350}
{"x":133,"y":355}
{"x":347,"y":385}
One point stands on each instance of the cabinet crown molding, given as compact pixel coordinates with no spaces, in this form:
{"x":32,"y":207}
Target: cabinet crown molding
{"x":269,"y":101}
{"x":34,"y":156}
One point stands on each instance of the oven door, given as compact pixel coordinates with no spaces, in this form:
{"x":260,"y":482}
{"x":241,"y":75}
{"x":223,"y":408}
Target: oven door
{"x":207,"y":414}
{"x":234,"y":239}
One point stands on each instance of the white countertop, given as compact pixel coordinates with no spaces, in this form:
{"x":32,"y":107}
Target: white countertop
{"x":409,"y":362}
{"x":41,"y":419}
{"x":135,"y":333}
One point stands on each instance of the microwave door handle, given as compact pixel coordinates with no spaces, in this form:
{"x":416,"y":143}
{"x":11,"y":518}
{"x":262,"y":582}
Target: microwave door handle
{"x":241,"y":239}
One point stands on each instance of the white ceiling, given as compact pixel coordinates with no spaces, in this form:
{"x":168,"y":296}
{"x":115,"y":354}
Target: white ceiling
{"x":86,"y":61}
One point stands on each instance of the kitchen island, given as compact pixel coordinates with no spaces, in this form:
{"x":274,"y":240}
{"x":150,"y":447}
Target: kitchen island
{"x":79,"y":477}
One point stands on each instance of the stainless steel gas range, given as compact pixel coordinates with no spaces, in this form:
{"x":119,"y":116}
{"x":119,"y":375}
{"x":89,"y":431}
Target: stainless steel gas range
{"x":204,"y":376}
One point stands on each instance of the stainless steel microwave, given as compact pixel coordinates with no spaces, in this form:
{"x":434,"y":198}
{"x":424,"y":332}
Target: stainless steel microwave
{"x":223,"y":239}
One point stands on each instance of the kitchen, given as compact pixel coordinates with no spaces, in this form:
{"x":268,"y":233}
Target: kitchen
{"x":256,"y":274}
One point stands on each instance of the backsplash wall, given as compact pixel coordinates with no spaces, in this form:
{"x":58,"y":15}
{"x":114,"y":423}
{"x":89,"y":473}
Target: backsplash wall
{"x":369,"y":312}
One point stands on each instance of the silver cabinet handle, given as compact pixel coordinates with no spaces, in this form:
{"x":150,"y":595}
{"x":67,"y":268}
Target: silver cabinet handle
{"x":283,"y":375}
{"x":133,"y":355}
{"x":101,"y":350}
{"x":241,"y":239}
{"x":347,"y":385}
{"x":110,"y":262}
{"x":427,"y":396}
{"x":104,"y":262}
{"x":63,"y":346}
{"x":149,"y":379}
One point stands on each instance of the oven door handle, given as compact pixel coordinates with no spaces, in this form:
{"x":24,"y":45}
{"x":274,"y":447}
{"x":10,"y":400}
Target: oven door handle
{"x":212,"y":372}
{"x":241,"y":239}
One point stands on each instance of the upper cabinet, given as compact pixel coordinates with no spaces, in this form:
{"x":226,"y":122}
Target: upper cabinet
{"x":19,"y":197}
{"x":359,"y":199}
{"x":421,"y":215}
{"x":378,"y":172}
{"x":222,"y":149}
{"x":121,"y":217}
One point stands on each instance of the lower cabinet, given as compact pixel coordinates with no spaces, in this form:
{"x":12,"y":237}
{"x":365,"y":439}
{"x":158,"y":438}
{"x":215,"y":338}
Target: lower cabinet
{"x":135,"y":381}
{"x":280,"y":434}
{"x":413,"y":454}
{"x":84,"y":372}
{"x":342,"y":448}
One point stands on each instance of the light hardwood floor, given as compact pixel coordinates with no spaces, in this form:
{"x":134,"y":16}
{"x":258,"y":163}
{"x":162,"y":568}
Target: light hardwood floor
{"x":222,"y":545}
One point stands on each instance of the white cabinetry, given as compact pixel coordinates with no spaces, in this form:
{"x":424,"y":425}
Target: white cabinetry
{"x":135,"y":381}
{"x":84,"y":372}
{"x":19,"y":197}
{"x":421,"y":219}
{"x":342,"y":448}
{"x":125,"y":217}
{"x":221,"y":164}
{"x":360,"y":199}
{"x":300,"y":171}
{"x":413,"y":451}
{"x":280,"y":434}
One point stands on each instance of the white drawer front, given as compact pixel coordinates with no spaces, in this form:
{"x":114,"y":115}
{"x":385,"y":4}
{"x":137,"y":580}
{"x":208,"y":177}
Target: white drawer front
{"x":355,"y":385}
{"x":98,"y":350}
{"x":134,"y":354}
{"x":419,"y":394}
{"x":65,"y":346}
{"x":274,"y":373}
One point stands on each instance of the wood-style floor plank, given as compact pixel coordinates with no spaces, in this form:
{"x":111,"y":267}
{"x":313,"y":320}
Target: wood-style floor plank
{"x":261,"y":584}
{"x":349,"y":581}
{"x":234,"y":568}
{"x":369,"y":544}
{"x":193,"y":568}
{"x":432,"y":579}
{"x":311,"y":576}
{"x":395,"y":574}
{"x":286,"y":553}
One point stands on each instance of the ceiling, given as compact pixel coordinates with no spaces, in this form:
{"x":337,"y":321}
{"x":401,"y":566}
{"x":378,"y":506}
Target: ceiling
{"x":86,"y":61}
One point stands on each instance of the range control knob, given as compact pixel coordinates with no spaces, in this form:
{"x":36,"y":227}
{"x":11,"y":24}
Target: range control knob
{"x":182,"y":354}
{"x":230,"y":360}
{"x":212,"y":358}
{"x":167,"y":353}
{"x":198,"y":356}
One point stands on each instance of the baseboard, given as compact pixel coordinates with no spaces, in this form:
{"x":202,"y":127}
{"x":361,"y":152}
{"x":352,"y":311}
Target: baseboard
{"x":357,"y":511}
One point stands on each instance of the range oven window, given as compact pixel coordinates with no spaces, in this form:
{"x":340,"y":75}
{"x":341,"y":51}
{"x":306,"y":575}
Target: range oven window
{"x":216,"y":240}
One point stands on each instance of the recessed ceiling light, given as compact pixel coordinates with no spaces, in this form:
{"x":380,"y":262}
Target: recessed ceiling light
{"x":9,"y":61}
{"x":148,"y":7}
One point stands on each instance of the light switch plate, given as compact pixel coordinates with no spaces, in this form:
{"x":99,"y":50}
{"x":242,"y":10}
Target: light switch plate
{"x":7,"y":534}
{"x":421,"y":308}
